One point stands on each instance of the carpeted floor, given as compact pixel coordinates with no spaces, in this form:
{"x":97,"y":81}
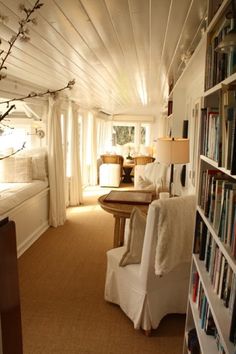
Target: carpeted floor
{"x":62,"y":282}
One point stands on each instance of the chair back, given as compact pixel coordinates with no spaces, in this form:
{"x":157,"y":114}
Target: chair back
{"x":112,"y":159}
{"x":143,"y":160}
{"x":177,"y":231}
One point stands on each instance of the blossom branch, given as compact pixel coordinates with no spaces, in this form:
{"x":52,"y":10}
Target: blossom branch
{"x":6,"y":126}
{"x":23,"y":33}
{"x":15,"y":152}
{"x":38,"y":94}
{"x":2,"y":116}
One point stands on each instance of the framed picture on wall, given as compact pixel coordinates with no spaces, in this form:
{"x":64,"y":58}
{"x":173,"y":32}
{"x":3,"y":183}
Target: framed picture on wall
{"x":169,"y":123}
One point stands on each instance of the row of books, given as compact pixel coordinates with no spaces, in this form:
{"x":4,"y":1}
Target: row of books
{"x":222,"y":278}
{"x":206,"y":320}
{"x":218,"y":132}
{"x":210,"y":133}
{"x":219,"y":65}
{"x":218,"y":201}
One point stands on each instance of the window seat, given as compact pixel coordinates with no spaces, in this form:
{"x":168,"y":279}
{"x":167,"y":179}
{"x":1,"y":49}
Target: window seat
{"x":24,"y":195}
{"x":13,"y":194}
{"x":27,"y":205}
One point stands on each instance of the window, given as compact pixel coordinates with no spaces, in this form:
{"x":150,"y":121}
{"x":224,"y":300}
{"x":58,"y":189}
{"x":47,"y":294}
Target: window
{"x":124,"y":134}
{"x":135,"y":133}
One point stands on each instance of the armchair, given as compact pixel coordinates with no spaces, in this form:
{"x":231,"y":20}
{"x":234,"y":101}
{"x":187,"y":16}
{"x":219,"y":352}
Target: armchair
{"x":158,"y":285}
{"x":139,"y":168}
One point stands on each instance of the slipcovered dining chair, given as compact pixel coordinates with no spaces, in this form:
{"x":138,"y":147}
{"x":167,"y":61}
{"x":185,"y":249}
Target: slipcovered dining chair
{"x":151,"y":280}
{"x":110,"y":171}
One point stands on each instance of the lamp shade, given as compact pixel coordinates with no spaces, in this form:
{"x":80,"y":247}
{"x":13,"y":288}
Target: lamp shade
{"x":173,"y":150}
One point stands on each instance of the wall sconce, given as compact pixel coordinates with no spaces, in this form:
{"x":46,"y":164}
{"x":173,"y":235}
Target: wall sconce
{"x":39,"y":132}
{"x":228,"y":43}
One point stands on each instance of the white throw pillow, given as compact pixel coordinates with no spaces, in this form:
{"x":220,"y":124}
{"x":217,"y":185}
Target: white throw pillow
{"x":16,"y":169}
{"x":155,"y":172}
{"x":39,"y":167}
{"x":39,"y":162}
{"x":134,"y":248}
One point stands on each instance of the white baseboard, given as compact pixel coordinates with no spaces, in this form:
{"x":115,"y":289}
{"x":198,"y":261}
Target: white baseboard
{"x":31,"y":238}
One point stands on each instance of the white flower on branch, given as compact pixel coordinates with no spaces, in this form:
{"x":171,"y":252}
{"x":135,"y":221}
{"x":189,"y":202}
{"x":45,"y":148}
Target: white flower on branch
{"x":13,"y":38}
{"x":22,"y":23}
{"x":24,"y":38}
{"x":34,"y":21}
{"x":2,"y":76}
{"x":21,"y":7}
{"x":3,"y":18}
{"x":71,"y":84}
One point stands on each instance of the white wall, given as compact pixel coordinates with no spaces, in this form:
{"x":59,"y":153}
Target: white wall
{"x":188,"y":89}
{"x":187,"y":92}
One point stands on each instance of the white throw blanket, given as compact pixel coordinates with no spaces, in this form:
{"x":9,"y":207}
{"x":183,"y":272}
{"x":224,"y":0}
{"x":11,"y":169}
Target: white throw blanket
{"x":175,"y":232}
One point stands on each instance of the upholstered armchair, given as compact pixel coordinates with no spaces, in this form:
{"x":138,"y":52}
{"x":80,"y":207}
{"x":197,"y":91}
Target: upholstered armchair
{"x":149,"y":276}
{"x":139,"y":168}
{"x":110,"y":171}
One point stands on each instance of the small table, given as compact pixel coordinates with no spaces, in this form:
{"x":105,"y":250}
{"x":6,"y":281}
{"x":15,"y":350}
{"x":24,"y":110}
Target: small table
{"x":127,"y":170}
{"x":121,"y":211}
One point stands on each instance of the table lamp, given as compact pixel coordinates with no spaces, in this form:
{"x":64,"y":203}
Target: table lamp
{"x":172,"y":151}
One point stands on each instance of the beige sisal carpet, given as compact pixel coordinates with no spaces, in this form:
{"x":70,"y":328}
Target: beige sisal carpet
{"x":62,"y":282}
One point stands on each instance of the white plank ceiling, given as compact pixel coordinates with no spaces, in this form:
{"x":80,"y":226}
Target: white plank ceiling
{"x":120,"y":52}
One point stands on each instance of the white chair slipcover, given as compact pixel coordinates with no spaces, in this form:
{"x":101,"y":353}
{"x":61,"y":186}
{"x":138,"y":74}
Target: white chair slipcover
{"x":145,"y":297}
{"x":109,"y":175}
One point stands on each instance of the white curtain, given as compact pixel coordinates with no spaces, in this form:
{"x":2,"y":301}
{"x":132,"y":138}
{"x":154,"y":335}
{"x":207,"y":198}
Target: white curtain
{"x":57,"y":209}
{"x":89,"y":148}
{"x":92,"y":131}
{"x":75,"y":196}
{"x":104,"y":136}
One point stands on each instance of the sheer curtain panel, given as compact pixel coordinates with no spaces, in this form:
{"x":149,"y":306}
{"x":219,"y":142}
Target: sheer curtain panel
{"x":57,"y":209}
{"x":75,"y":196}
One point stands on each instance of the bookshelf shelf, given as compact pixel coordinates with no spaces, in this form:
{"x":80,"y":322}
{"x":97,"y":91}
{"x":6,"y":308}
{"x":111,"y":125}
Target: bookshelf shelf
{"x":215,"y":165}
{"x":212,"y":292}
{"x":229,"y":80}
{"x":207,"y":343}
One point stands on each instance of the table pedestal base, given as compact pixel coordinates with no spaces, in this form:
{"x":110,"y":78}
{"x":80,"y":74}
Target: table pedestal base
{"x":119,"y":230}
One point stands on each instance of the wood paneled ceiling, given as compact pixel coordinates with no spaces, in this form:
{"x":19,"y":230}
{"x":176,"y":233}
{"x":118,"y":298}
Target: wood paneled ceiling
{"x":120,"y":52}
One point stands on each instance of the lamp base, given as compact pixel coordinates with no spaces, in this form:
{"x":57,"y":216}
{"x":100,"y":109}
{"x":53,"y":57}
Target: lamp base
{"x":171,"y":185}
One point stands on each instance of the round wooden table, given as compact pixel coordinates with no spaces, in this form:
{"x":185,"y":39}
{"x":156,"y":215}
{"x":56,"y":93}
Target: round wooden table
{"x":121,"y":212}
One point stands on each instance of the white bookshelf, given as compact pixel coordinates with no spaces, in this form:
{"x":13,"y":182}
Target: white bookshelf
{"x":221,"y":314}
